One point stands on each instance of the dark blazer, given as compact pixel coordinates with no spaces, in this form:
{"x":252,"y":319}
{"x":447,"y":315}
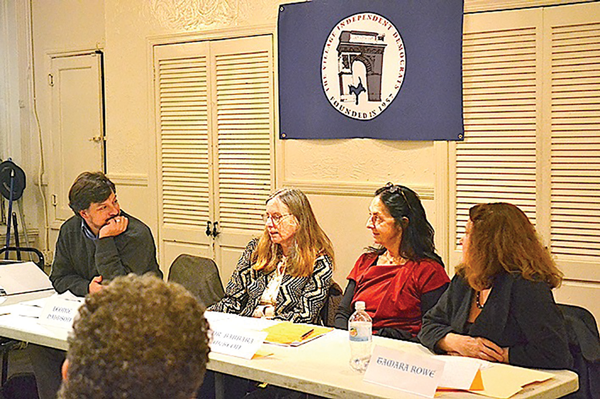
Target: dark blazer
{"x":518,"y":314}
{"x":584,"y":342}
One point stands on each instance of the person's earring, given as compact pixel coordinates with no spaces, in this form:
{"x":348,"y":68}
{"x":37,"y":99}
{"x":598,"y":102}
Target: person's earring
{"x":405,"y":222}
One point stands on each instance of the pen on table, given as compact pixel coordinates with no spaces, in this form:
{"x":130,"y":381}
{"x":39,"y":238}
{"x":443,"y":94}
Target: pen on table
{"x":306,"y":334}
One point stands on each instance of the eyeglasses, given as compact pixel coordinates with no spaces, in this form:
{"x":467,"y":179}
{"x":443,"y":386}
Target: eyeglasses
{"x":375,"y":219}
{"x":275,"y":219}
{"x":394,"y":189}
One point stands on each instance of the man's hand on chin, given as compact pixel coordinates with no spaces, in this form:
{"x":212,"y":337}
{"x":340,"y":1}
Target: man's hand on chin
{"x":95,"y":285}
{"x":114,"y":227}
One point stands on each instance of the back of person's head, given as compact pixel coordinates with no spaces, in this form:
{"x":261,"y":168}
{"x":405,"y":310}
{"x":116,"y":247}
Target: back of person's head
{"x":310,"y":240}
{"x":503,"y":240}
{"x":139,"y":337}
{"x":88,"y":188}
{"x":407,"y":210}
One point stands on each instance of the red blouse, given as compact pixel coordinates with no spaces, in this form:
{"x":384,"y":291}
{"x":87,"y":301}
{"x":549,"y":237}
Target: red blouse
{"x":392,"y":293}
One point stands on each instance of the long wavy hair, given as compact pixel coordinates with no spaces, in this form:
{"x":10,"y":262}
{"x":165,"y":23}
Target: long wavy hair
{"x":503,"y":240}
{"x":407,"y":210}
{"x":310,"y":241}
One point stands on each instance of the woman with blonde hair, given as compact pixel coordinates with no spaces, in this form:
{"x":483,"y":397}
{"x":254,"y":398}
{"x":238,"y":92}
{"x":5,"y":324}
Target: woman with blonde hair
{"x":286,"y":273}
{"x":499,"y":306}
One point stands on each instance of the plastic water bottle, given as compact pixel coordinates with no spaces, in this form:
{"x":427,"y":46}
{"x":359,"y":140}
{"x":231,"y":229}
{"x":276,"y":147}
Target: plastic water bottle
{"x":359,"y":331}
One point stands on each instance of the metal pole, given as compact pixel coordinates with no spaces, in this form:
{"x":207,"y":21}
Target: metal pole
{"x":10,"y":202}
{"x":16,"y":233}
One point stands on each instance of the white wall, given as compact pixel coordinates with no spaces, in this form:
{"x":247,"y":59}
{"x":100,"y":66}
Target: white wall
{"x":338,"y":175}
{"x":64,"y":26}
{"x":18,"y":131}
{"x":341,"y":176}
{"x":124,"y":30}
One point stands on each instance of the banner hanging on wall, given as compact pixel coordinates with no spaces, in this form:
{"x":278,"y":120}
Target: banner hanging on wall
{"x":377,"y":69}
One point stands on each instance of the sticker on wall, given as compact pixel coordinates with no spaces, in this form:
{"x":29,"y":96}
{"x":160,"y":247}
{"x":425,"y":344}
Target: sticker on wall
{"x":363,"y":65}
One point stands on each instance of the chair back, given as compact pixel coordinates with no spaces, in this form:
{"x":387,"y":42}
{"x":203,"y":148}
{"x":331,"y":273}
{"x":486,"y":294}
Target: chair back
{"x":198,"y":275}
{"x":40,"y":262}
{"x":584,"y":343}
{"x":334,"y":297}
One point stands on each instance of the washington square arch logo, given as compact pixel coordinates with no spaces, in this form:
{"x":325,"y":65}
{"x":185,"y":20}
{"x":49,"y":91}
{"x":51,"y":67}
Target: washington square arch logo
{"x":363,"y":65}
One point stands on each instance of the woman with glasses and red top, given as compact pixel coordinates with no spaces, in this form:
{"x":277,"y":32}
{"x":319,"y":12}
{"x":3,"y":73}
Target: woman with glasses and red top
{"x":286,"y":273}
{"x":401,"y":277}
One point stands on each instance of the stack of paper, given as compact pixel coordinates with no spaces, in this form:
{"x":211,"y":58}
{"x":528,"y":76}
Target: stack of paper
{"x":503,"y":381}
{"x":20,"y":278}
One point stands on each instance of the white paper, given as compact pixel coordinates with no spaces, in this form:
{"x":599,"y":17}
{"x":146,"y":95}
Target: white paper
{"x":231,"y":322}
{"x":237,"y":343}
{"x":405,"y":371}
{"x":60,"y":310}
{"x":214,"y":317}
{"x":459,"y":371}
{"x":40,"y":302}
{"x":28,"y":310}
{"x":18,"y":278}
{"x":31,"y":308}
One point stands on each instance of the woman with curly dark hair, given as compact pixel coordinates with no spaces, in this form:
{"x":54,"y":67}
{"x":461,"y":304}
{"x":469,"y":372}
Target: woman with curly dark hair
{"x":499,"y":306}
{"x":401,"y":276}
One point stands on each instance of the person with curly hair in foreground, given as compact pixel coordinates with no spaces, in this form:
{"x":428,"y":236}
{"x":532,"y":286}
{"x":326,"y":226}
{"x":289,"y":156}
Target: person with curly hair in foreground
{"x":140,"y":337}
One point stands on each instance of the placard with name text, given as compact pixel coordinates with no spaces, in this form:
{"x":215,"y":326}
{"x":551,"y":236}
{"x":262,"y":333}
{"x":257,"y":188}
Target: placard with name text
{"x":60,"y":311}
{"x":237,"y":343}
{"x":404,"y":371}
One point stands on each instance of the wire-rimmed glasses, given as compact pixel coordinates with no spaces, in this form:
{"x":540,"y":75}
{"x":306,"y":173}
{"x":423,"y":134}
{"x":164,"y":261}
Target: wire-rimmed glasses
{"x":275,"y":219}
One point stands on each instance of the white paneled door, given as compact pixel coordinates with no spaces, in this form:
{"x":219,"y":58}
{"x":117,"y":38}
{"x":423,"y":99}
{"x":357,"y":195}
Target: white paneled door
{"x":77,"y":124}
{"x":214,"y":109}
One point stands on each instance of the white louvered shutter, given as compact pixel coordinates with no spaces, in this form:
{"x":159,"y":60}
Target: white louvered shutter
{"x":497,"y":160}
{"x":215,"y":129}
{"x":181,"y":73}
{"x":575,"y":142}
{"x":244,"y":81}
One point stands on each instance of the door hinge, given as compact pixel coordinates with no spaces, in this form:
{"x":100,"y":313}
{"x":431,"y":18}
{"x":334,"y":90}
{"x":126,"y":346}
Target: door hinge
{"x":51,"y":80}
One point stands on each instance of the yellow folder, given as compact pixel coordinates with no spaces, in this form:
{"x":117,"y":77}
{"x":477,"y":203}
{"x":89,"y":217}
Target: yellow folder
{"x":292,"y":334}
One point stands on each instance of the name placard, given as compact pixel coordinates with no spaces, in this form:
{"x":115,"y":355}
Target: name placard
{"x":60,"y":311}
{"x":237,"y":343}
{"x":404,"y":371}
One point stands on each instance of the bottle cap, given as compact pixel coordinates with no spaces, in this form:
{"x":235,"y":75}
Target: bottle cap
{"x":359,"y":305}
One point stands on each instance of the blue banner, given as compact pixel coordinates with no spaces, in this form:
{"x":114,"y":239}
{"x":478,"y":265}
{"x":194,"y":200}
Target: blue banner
{"x":382,"y":69}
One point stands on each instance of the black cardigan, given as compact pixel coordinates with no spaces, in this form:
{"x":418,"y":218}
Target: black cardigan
{"x":518,"y":314}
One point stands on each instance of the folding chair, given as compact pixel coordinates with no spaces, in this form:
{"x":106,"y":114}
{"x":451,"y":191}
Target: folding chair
{"x":198,"y":275}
